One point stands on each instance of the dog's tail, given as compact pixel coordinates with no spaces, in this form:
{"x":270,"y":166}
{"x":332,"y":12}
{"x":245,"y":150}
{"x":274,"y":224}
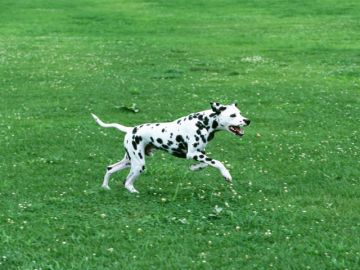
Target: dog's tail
{"x":112,"y":125}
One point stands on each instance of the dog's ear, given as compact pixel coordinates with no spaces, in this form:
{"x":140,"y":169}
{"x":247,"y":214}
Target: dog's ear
{"x":215,"y":107}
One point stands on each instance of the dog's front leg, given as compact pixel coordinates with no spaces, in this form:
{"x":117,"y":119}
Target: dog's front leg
{"x":198,"y":166}
{"x":198,"y":156}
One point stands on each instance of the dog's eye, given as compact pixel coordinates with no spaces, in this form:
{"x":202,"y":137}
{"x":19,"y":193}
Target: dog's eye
{"x":233,"y":115}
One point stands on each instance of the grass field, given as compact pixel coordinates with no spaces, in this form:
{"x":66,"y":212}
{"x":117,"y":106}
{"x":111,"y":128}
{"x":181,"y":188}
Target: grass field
{"x":293,"y":67}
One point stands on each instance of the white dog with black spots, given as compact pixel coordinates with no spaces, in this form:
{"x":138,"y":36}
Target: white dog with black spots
{"x":185,"y":137}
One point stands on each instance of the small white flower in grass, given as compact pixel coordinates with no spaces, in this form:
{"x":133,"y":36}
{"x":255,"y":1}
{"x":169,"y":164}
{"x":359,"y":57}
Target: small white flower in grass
{"x":217,"y":209}
{"x":202,"y":255}
{"x":268,"y":233}
{"x":9,"y":220}
{"x":163,"y":199}
{"x":110,"y":249}
{"x":139,"y":230}
{"x":237,"y":228}
{"x":183,"y":220}
{"x":103,"y":215}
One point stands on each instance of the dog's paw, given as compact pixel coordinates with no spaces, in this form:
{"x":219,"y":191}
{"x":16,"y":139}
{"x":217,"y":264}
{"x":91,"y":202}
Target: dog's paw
{"x":196,"y":167}
{"x":105,"y":187}
{"x":131,"y":189}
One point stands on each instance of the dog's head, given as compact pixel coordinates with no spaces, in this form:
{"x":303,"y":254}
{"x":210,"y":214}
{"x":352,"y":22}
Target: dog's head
{"x":230,"y":118}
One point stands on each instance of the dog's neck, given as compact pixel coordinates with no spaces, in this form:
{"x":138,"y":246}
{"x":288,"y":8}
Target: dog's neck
{"x":209,"y":121}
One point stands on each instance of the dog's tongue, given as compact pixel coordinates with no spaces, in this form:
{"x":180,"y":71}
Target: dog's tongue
{"x":237,"y":129}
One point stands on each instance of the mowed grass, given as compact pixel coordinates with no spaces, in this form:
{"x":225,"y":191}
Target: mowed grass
{"x":293,"y":67}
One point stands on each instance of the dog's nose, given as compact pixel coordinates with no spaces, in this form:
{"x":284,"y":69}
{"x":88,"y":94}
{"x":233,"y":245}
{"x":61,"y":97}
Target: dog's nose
{"x":247,"y":121}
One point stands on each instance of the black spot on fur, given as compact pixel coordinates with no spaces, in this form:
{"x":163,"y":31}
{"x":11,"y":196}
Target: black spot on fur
{"x":127,"y":154}
{"x":134,"y":144}
{"x":134,"y":130}
{"x":206,"y":121}
{"x":157,"y":125}
{"x":143,"y":167}
{"x":163,"y":130}
{"x":138,"y":139}
{"x":171,"y":135}
{"x":233,"y":115}
{"x":197,"y":138}
{"x":195,"y":157}
{"x":195,"y":144}
{"x":183,"y":145}
{"x":200,"y":125}
{"x":208,"y":159}
{"x":152,"y":139}
{"x":165,"y":146}
{"x":212,"y":162}
{"x":201,"y":156}
{"x":179,"y":138}
{"x":215,"y":124}
{"x":222,"y":108}
{"x":109,"y":168}
{"x":140,"y":156}
{"x":178,"y":122}
{"x":159,"y":140}
{"x":211,"y":136}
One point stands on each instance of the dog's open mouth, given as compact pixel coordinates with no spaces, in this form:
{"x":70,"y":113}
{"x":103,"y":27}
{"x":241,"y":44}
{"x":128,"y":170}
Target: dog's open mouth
{"x":237,"y":130}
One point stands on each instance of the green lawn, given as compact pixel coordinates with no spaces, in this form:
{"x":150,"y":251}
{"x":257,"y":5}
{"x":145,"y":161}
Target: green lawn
{"x":293,"y":67}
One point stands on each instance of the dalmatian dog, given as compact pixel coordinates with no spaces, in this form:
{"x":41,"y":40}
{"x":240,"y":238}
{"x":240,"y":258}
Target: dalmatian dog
{"x":185,"y":137}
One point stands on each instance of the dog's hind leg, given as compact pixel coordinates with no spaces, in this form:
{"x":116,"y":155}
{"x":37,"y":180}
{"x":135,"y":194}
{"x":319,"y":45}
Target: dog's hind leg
{"x":198,"y":166}
{"x":124,"y":163}
{"x":137,"y":167}
{"x":135,"y":149}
